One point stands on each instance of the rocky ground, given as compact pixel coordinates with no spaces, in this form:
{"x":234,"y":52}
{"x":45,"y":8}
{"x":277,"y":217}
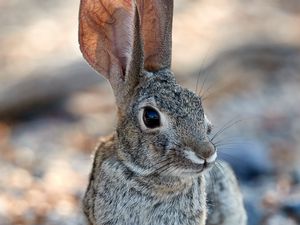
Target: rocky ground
{"x":246,"y":55}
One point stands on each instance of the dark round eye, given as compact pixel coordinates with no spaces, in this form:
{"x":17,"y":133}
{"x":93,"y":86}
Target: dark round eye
{"x":151,"y":118}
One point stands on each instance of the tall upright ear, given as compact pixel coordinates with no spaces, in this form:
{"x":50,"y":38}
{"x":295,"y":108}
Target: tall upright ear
{"x":109,"y":37}
{"x":156,"y":20}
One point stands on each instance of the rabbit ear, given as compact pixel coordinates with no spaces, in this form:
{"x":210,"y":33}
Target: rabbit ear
{"x":156,"y":16}
{"x":110,"y":41}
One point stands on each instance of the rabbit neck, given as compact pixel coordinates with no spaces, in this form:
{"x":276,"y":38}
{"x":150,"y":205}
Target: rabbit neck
{"x":149,"y":181}
{"x":119,"y":196}
{"x":164,"y":186}
{"x":155,"y":183}
{"x":149,"y":200}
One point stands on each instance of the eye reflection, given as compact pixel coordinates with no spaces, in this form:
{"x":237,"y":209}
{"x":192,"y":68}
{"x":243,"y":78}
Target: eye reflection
{"x":151,"y":118}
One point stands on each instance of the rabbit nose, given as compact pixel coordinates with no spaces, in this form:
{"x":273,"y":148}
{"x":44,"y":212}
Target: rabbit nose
{"x":202,"y":152}
{"x":204,"y":149}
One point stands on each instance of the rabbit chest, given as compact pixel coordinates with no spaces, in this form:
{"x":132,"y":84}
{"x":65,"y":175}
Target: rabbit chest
{"x":120,"y":200}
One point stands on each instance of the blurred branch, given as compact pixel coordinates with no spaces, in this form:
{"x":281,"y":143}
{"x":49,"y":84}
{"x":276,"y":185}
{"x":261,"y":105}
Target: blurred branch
{"x":45,"y":87}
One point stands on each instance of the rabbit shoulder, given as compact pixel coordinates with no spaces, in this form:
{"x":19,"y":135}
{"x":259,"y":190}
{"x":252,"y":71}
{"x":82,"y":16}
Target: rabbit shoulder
{"x":224,"y":198}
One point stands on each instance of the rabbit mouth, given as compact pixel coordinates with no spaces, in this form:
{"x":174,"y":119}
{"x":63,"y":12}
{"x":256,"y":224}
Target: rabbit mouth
{"x":192,"y":169}
{"x":200,"y":164}
{"x":182,"y":162}
{"x":186,"y":163}
{"x":199,"y":168}
{"x":192,"y":157}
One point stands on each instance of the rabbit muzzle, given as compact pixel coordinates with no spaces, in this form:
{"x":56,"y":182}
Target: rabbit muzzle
{"x":203,"y":154}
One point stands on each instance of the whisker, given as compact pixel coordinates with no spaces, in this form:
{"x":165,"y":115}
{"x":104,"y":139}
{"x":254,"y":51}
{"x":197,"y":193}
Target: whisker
{"x":220,"y":167}
{"x":220,"y":145}
{"x":199,"y":75}
{"x":204,"y":97}
{"x":162,"y":161}
{"x":227,"y":125}
{"x":241,"y":140}
{"x":222,"y":170}
{"x":159,"y":170}
{"x":233,"y":157}
{"x":171,"y":169}
{"x":164,"y":164}
{"x":165,"y":168}
{"x":202,"y":86}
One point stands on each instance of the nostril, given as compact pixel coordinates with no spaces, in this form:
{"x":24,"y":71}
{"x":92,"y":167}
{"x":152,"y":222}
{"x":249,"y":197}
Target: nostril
{"x":206,"y":150}
{"x":202,"y":153}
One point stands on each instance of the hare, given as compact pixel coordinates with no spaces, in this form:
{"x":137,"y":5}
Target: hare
{"x":152,"y":169}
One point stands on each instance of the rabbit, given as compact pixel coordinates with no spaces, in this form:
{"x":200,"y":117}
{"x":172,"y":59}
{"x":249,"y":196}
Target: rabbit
{"x":153,"y":169}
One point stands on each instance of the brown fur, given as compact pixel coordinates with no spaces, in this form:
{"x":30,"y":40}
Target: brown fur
{"x":142,"y":175}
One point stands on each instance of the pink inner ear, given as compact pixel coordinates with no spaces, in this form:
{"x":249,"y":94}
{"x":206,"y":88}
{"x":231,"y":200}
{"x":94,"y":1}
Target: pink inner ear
{"x":128,"y":2}
{"x":157,"y":32}
{"x":123,"y":41}
{"x":106,"y":35}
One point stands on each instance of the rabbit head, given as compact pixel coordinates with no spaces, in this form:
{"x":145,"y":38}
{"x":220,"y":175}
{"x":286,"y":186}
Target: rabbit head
{"x":161,"y":126}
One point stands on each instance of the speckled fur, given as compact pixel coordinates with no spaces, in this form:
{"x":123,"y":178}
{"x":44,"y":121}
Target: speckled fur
{"x":224,"y":199}
{"x":119,"y":195}
{"x":144,"y":176}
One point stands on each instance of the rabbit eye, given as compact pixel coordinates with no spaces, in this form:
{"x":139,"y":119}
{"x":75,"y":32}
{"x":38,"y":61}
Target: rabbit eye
{"x":151,"y":118}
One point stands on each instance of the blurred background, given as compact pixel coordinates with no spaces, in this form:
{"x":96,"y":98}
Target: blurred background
{"x":53,"y":107}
